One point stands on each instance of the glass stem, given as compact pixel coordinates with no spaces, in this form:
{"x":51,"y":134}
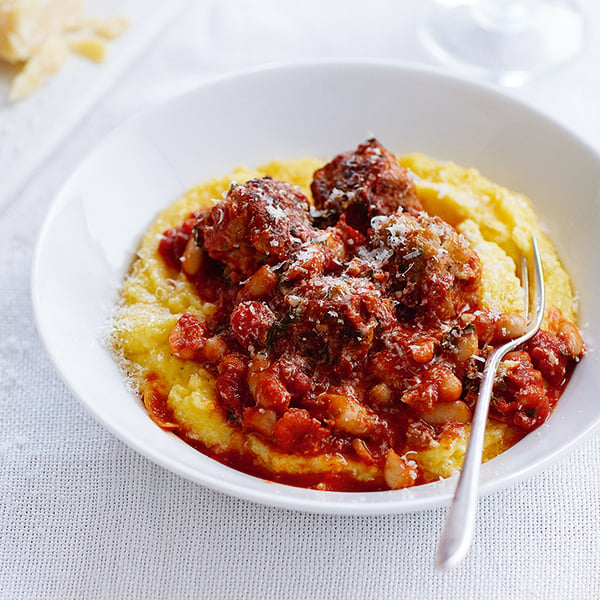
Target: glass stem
{"x":505,"y":16}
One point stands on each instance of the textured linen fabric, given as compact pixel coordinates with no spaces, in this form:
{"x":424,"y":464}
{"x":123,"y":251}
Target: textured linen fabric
{"x":84,"y":516}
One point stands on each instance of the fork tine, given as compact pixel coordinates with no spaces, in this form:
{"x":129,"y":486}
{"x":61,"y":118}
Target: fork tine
{"x":540,"y":292}
{"x":460,"y":521}
{"x":525,"y":286}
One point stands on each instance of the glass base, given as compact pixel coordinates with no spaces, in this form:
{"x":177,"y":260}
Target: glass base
{"x":548,"y":37}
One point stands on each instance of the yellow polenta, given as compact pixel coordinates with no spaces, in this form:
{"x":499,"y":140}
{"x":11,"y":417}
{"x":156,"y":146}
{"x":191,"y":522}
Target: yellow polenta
{"x":496,"y":222}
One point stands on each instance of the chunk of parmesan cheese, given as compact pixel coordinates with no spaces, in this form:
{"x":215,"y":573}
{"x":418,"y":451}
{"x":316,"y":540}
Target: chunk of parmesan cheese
{"x":37,"y":35}
{"x":90,"y":48}
{"x":26,"y":25}
{"x":46,"y":62}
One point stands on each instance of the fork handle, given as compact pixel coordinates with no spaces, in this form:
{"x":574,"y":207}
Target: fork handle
{"x":460,"y":522}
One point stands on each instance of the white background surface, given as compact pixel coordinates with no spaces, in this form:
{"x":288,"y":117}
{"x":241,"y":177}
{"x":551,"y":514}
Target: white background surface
{"x":83,"y":516}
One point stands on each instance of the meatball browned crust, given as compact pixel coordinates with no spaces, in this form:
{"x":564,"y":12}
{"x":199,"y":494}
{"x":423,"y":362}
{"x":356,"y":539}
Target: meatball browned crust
{"x":361,"y":184}
{"x":427,"y":265}
{"x":260,"y":221}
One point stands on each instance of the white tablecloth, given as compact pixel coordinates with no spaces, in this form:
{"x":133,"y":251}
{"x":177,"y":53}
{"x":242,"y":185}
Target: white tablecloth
{"x":84,"y":516}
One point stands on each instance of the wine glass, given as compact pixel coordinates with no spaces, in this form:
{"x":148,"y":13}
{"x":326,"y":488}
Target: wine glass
{"x":505,"y":41}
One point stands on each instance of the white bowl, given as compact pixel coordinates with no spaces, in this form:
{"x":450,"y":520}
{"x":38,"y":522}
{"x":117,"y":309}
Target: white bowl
{"x":97,"y":220}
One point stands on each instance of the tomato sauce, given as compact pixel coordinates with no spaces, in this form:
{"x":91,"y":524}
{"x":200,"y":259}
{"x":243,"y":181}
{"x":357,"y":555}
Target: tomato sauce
{"x":352,"y":324}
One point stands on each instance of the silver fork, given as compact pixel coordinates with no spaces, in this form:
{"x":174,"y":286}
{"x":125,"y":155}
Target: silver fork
{"x":460,"y":521}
